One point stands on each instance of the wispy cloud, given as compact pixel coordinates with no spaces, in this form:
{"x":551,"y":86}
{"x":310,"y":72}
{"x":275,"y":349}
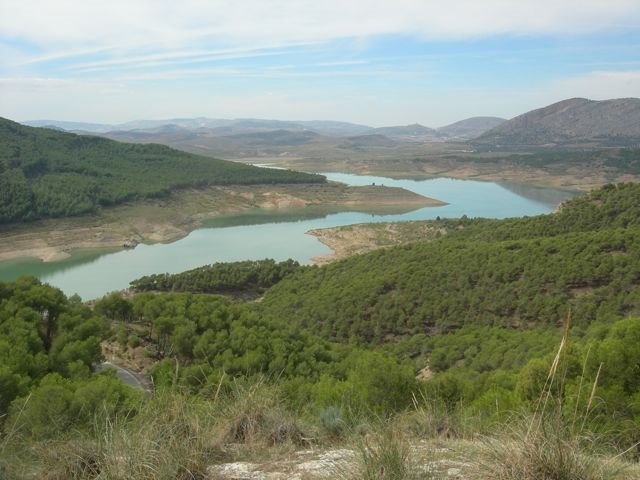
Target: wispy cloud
{"x":342,"y":63}
{"x":166,"y":22}
{"x":122,"y":59}
{"x":599,"y":85}
{"x":64,"y":54}
{"x":187,"y":58}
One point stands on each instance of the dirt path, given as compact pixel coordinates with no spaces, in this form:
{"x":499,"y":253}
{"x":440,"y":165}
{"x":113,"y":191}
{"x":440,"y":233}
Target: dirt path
{"x":134,"y":380}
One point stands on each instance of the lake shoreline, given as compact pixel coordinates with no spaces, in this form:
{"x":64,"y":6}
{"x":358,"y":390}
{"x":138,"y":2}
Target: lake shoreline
{"x":169,"y":220}
{"x":346,"y":241}
{"x":562,"y":176}
{"x":253,"y":223}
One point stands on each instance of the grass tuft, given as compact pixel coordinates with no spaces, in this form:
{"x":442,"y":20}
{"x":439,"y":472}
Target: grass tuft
{"x":256,"y":415}
{"x":383,"y":455}
{"x":548,"y":452}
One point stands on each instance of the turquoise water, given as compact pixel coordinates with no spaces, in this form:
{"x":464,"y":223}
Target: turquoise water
{"x":280,"y":235}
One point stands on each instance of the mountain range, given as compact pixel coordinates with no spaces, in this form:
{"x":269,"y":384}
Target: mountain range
{"x":572,"y":122}
{"x":464,"y":129}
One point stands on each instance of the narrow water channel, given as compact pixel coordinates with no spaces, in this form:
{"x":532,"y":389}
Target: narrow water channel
{"x":278,"y":235}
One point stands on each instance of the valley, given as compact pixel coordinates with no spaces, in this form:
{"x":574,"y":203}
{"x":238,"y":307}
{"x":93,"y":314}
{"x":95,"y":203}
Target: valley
{"x":302,"y":240}
{"x":247,"y":387}
{"x":415,"y":299}
{"x":252,"y":232}
{"x":431,"y":162}
{"x":576,"y":143}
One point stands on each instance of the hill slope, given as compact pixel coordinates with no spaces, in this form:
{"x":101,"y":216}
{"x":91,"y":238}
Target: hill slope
{"x":574,"y":121}
{"x":46,"y":173}
{"x":415,"y":130}
{"x":364,"y":141}
{"x":275,"y":138}
{"x":518,"y":272}
{"x":470,"y":128}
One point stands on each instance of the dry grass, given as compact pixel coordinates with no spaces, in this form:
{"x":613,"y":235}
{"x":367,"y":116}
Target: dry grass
{"x":428,"y":420}
{"x":550,"y":452}
{"x":255,"y":415}
{"x":171,"y":438}
{"x":544,"y":445}
{"x":382,"y":455}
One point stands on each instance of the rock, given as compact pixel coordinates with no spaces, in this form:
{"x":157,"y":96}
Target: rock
{"x":131,"y":243}
{"x":233,"y":471}
{"x":454,"y":472}
{"x":326,"y":465}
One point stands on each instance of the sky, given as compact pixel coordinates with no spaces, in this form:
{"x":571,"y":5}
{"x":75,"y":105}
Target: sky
{"x":364,"y":61}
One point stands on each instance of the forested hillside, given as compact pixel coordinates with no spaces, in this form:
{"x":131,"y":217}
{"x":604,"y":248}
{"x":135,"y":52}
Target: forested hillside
{"x":431,"y":288}
{"x":247,"y":277}
{"x":518,"y":272}
{"x":612,"y":206}
{"x":484,"y":307}
{"x":46,"y":173}
{"x":48,"y":347}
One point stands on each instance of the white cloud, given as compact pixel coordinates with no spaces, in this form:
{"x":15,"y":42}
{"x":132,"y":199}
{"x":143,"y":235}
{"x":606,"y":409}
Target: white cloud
{"x":172,"y":58}
{"x":125,"y":99}
{"x":170,"y":24}
{"x":36,"y":98}
{"x":599,"y":85}
{"x":342,"y":63}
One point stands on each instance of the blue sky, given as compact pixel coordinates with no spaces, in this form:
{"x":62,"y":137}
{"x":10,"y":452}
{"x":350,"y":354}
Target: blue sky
{"x":373,"y":62}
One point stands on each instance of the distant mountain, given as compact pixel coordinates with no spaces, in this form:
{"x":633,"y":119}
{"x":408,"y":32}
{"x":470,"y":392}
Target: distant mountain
{"x":571,"y":122}
{"x":415,"y":130}
{"x":218,"y":125}
{"x":470,"y":128}
{"x":186,"y":123}
{"x":54,"y":127}
{"x":164,"y":134}
{"x":364,"y":141}
{"x":275,"y":138}
{"x":336,"y":129}
{"x":68,"y":126}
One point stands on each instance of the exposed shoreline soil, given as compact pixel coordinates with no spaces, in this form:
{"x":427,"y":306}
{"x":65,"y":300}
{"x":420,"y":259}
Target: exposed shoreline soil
{"x":562,"y":176}
{"x":167,"y":220}
{"x":350,"y":240}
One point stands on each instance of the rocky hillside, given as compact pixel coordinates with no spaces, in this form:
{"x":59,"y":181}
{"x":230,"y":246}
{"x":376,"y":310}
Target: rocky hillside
{"x":572,"y":122}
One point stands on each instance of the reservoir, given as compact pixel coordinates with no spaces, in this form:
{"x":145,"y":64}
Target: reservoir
{"x":278,"y":234}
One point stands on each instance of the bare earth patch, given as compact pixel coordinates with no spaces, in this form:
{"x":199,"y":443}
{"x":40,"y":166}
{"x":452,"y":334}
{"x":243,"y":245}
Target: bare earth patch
{"x":435,"y":160}
{"x":355,"y":239}
{"x":434,"y":461}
